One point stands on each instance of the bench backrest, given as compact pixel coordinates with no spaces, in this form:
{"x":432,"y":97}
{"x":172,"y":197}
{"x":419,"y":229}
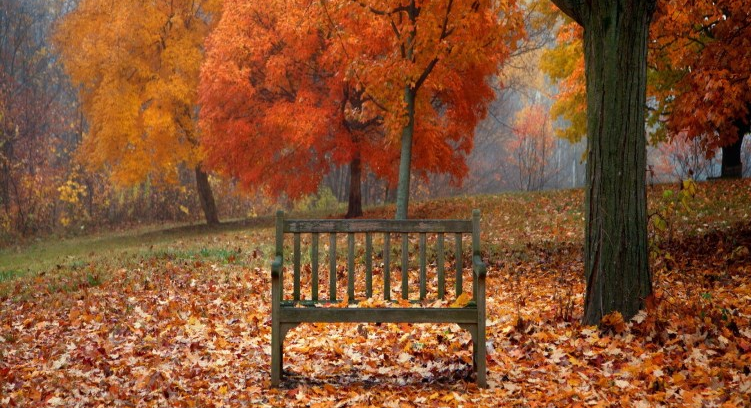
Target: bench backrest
{"x":371,"y":228}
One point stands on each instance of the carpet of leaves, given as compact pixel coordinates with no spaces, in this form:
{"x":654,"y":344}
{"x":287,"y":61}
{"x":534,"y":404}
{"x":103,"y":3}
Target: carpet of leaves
{"x":167,"y":331}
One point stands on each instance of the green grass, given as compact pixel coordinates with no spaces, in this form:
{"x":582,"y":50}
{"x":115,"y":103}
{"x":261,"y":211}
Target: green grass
{"x":6,"y":275}
{"x":110,"y":249}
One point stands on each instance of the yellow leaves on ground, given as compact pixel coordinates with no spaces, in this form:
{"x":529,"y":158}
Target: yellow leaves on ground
{"x":462,"y":300}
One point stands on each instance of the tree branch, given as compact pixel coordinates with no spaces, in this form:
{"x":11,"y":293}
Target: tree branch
{"x":425,"y":73}
{"x":572,"y":8}
{"x":383,"y":12}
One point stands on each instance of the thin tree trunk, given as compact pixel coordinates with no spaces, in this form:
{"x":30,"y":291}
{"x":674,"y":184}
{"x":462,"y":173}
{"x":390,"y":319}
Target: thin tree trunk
{"x":206,"y":196}
{"x":616,"y":259}
{"x":405,"y":159}
{"x":354,"y":208}
{"x":6,"y":175}
{"x":732,"y":166}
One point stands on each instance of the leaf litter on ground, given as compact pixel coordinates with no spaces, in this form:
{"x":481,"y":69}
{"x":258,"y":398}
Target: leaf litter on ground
{"x":195,"y":332}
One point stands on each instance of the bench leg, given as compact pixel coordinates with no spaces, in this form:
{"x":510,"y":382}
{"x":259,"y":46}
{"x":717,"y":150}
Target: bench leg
{"x":480,"y":359}
{"x":276,"y":354}
{"x":478,"y":352}
{"x":278,"y":333}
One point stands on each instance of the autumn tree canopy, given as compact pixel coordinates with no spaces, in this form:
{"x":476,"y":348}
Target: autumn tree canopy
{"x":300,"y":85}
{"x":36,"y":106}
{"x":426,"y":65}
{"x":564,"y":65}
{"x":699,"y":84}
{"x":136,"y":65}
{"x":701,"y":55}
{"x":272,"y":89}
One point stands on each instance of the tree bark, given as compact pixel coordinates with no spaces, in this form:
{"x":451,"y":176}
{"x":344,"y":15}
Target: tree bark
{"x":354,"y":208}
{"x":206,"y":196}
{"x":405,"y":159}
{"x":732,"y":166}
{"x":616,"y":257}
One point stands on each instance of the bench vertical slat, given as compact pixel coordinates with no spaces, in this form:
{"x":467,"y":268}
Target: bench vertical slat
{"x":332,"y":266}
{"x":296,"y":263}
{"x":277,"y":359}
{"x":475,"y":246}
{"x":386,"y":266}
{"x":314,"y":262}
{"x":458,"y":256}
{"x":423,"y":271}
{"x":405,"y":266}
{"x":441,"y":273}
{"x":351,"y":267}
{"x":479,"y":287}
{"x":280,"y":246}
{"x":368,"y":265}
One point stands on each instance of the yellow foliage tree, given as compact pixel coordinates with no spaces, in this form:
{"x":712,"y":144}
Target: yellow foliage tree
{"x":564,"y":65}
{"x":136,"y":65}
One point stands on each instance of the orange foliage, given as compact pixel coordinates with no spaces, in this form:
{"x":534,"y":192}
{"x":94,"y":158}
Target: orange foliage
{"x":276,"y":110}
{"x":564,"y":65}
{"x":449,"y":51}
{"x":700,"y":56}
{"x":299,"y":85}
{"x":702,"y":52}
{"x":136,"y":66}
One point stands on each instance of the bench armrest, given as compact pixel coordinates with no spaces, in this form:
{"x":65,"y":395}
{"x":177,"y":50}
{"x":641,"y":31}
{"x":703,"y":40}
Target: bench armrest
{"x":276,"y":267}
{"x":479,"y":267}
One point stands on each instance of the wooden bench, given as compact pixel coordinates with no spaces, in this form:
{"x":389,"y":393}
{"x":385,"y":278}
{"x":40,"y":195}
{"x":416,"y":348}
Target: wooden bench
{"x":290,"y":311}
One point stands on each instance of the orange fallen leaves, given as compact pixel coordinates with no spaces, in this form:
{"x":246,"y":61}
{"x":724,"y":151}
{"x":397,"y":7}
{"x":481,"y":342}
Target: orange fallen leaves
{"x":196,"y":334}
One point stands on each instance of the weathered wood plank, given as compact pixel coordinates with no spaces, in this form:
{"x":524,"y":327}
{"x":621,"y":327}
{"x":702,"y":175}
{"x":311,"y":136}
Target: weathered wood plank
{"x":279,"y":233}
{"x":351,"y":267}
{"x":368,"y":265}
{"x":458,"y":260}
{"x":332,"y":266}
{"x":276,"y":299}
{"x":441,"y":266}
{"x":387,"y":266}
{"x":382,"y":315}
{"x":318,"y":303}
{"x":314,"y":264}
{"x":346,"y":226}
{"x":405,"y":266}
{"x":475,"y":247}
{"x":423,"y":269}
{"x":280,"y":248}
{"x":296,"y":267}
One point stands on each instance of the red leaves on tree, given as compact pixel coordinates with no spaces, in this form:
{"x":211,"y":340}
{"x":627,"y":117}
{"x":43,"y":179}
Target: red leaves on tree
{"x":702,"y":53}
{"x":292,"y":87}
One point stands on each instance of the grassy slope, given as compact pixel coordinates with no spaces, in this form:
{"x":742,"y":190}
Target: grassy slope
{"x":510,"y":223}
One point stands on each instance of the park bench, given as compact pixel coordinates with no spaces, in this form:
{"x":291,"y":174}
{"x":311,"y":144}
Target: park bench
{"x":291,"y":309}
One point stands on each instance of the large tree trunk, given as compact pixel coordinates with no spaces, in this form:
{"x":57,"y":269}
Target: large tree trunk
{"x":615,"y":49}
{"x":616,"y":258}
{"x":732,"y":166}
{"x":206,"y":196}
{"x":354,"y":208}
